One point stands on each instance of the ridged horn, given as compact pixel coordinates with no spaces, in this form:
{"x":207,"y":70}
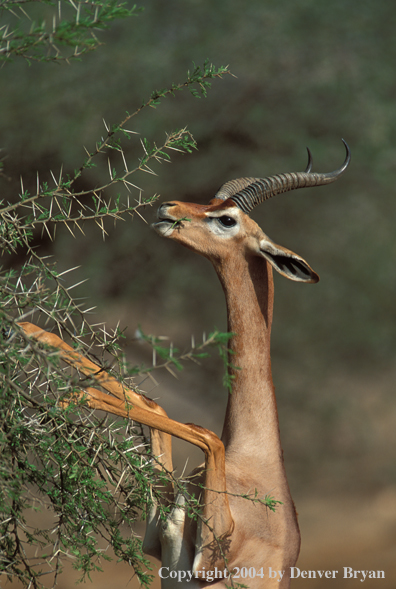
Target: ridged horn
{"x":247,"y":193}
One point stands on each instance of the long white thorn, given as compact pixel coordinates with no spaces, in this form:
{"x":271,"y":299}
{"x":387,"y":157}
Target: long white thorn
{"x":141,"y":216}
{"x":124,"y":160}
{"x":67,"y":271}
{"x":130,"y":184}
{"x":77,"y":284}
{"x":132,"y":132}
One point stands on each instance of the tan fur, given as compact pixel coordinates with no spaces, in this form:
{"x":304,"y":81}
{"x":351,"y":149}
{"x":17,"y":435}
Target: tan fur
{"x":248,"y":460}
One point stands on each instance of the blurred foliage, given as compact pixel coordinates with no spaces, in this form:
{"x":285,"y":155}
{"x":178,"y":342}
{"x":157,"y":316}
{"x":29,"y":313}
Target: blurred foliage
{"x":307,"y":73}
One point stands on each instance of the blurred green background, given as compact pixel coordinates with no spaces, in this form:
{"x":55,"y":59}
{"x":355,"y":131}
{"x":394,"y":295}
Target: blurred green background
{"x":307,"y":73}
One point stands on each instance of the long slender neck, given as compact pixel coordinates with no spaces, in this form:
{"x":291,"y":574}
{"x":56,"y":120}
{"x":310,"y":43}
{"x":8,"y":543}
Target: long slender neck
{"x":251,"y":421}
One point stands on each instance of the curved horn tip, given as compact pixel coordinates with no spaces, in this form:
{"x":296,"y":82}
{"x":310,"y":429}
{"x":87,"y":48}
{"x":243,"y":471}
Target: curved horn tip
{"x":310,"y":162}
{"x":347,"y":157}
{"x":337,"y":173}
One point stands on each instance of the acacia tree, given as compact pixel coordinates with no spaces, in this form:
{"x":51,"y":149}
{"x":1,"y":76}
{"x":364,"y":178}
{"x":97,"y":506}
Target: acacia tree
{"x":92,"y":473}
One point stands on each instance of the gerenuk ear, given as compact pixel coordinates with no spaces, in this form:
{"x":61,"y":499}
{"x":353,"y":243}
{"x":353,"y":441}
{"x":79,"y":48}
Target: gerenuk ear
{"x":286,"y":262}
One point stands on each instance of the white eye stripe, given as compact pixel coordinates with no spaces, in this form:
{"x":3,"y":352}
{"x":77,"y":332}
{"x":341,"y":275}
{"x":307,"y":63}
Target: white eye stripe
{"x":232,"y":212}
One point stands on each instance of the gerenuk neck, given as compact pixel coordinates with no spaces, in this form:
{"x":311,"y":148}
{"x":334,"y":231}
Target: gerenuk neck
{"x":251,"y":420}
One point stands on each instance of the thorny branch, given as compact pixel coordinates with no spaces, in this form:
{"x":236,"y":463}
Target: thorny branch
{"x":93,"y":475}
{"x":103,"y":379}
